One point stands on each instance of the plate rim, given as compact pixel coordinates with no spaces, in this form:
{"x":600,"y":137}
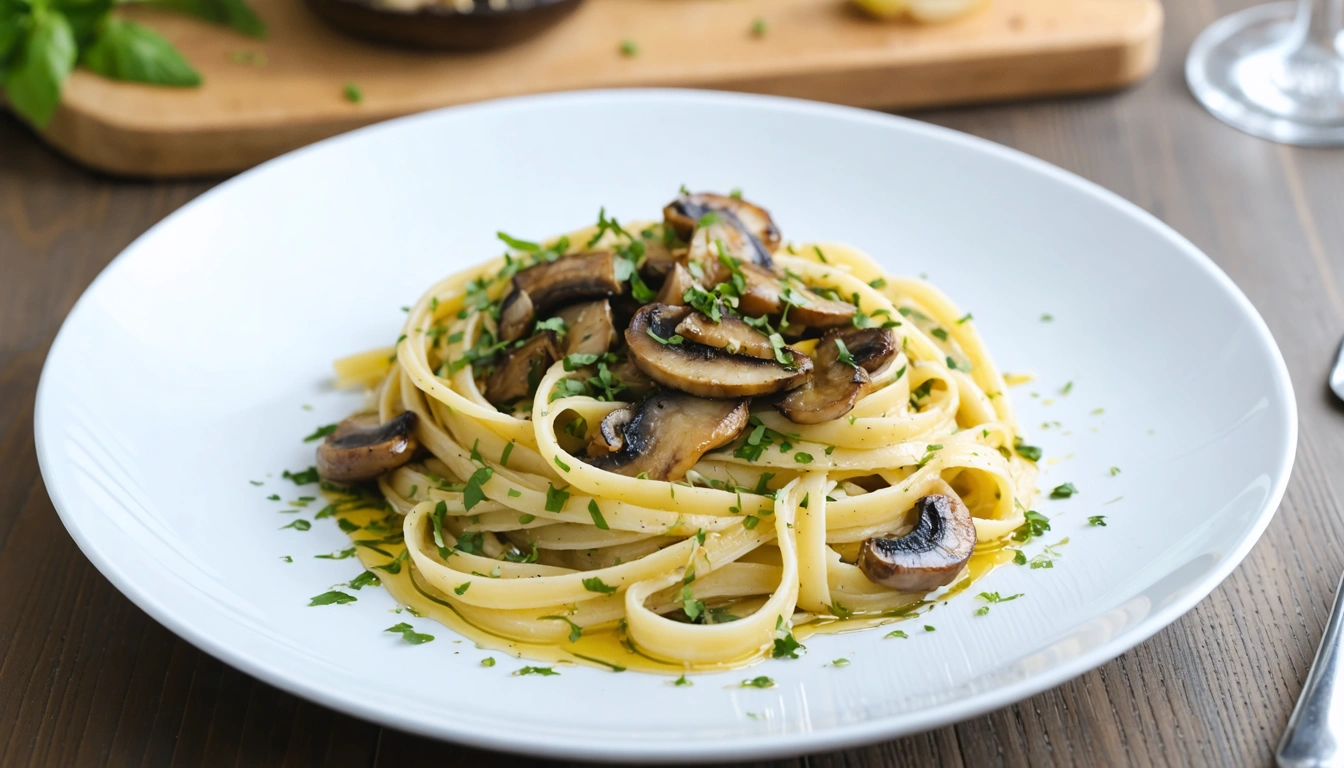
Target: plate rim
{"x":767,"y":745}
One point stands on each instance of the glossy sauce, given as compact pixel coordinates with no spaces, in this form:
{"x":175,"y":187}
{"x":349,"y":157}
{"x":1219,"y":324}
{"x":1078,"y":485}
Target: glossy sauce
{"x":608,"y":647}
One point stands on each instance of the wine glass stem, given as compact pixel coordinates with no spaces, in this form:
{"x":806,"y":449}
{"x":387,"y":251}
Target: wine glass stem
{"x":1317,"y":26}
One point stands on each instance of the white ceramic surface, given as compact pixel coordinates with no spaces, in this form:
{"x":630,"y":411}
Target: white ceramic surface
{"x":180,"y":376}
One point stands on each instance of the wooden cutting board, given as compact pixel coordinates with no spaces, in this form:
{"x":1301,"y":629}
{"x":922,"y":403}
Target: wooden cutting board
{"x":248,"y":111}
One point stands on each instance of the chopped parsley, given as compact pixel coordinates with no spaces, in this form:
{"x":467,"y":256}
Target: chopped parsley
{"x":1047,"y":317}
{"x":1098,"y":521}
{"x":928,"y":628}
{"x":298,"y":525}
{"x":287,"y":559}
{"x":344,"y":554}
{"x":629,"y":48}
{"x":689,"y":605}
{"x":461,"y":589}
{"x":1063,"y":491}
{"x":303,"y":477}
{"x":504,"y":456}
{"x":595,"y":584}
{"x":473,"y":494}
{"x":1035,"y":525}
{"x":786,"y":645}
{"x":758,"y":682}
{"x":1029,"y":452}
{"x":964,"y":318}
{"x":543,"y":671}
{"x":845,"y":356}
{"x":1115,"y":471}
{"x":598,"y":520}
{"x":898,"y":634}
{"x":561,"y":464}
{"x":352,"y":93}
{"x":409,"y":634}
{"x":802,"y":458}
{"x":941,"y":335}
{"x":575,"y":631}
{"x":758,"y":29}
{"x":488,"y":661}
{"x":840,"y":663}
{"x":993,"y":597}
{"x":555,"y":498}
{"x":365,"y":579}
{"x":879,"y":283}
{"x":676,"y":338}
{"x":319,"y":433}
{"x":332,"y":598}
{"x":1019,"y":557}
{"x":682,"y":681}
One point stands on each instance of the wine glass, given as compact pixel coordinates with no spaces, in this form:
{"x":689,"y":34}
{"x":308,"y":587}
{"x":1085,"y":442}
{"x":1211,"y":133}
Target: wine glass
{"x":1275,"y":71}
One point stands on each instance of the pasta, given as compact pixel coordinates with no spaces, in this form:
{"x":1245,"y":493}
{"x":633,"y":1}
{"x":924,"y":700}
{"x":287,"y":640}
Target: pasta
{"x":789,"y":477}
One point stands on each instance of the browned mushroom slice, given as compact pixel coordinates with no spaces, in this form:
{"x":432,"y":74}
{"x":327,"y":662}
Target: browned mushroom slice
{"x":675,"y":286}
{"x":659,"y":259}
{"x":685,"y":213}
{"x":545,"y":286}
{"x":668,"y":433}
{"x":361,"y":448}
{"x":831,"y":390}
{"x":929,"y":556}
{"x":730,"y":334}
{"x":872,"y":348}
{"x":589,"y":329}
{"x":701,"y":370}
{"x":766,"y":294}
{"x":610,"y":435}
{"x":518,"y":371}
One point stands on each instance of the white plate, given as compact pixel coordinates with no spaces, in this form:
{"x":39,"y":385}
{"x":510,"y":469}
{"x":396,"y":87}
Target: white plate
{"x":180,"y":375}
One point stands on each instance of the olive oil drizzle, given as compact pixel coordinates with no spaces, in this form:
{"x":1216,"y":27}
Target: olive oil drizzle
{"x":604,"y":647}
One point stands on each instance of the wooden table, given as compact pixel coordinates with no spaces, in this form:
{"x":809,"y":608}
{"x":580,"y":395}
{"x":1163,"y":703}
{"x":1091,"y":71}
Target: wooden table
{"x":87,"y":678}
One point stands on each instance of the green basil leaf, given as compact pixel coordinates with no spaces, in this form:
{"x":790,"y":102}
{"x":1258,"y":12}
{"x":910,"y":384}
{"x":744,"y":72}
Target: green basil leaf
{"x":124,"y":50}
{"x":85,"y":16}
{"x":44,"y":60}
{"x":231,"y":13}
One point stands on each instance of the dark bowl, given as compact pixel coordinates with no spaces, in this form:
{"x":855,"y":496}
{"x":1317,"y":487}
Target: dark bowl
{"x":445,"y":25}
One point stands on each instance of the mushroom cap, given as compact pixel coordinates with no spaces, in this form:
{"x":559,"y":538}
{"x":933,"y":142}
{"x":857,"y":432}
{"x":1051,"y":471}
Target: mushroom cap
{"x":730,"y":334}
{"x":684,"y":215}
{"x":543,"y":287}
{"x":589,"y":327}
{"x":832,"y":389}
{"x":702,"y":370}
{"x":929,"y":556}
{"x":521,"y":368}
{"x":873,"y":348}
{"x":765,"y":296}
{"x":361,"y":448}
{"x":667,"y":434}
{"x":675,"y":285}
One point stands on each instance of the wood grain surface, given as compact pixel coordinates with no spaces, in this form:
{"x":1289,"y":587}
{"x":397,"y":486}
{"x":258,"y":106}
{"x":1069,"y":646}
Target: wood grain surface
{"x":86,"y":678}
{"x":815,"y":49}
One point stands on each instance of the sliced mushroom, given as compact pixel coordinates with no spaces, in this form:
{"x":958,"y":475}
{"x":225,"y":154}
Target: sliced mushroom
{"x":929,"y":556}
{"x":730,"y":334}
{"x":685,"y":213}
{"x":659,"y":258}
{"x":832,"y":389}
{"x":765,"y":295}
{"x":610,"y":435}
{"x":668,"y":433}
{"x":520,"y":369}
{"x":873,"y":348}
{"x":589,"y":328}
{"x":361,"y":448}
{"x":675,"y":286}
{"x":702,"y":370}
{"x":550,"y":284}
